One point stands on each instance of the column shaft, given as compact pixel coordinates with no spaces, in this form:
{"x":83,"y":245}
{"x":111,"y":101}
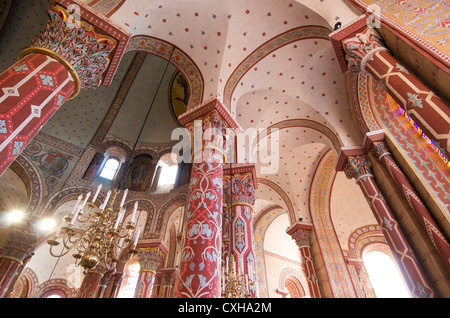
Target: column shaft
{"x":359,"y":168}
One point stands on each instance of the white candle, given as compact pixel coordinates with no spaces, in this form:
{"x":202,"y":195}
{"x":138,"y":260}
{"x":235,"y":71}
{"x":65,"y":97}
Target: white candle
{"x":77,"y":210}
{"x":123,"y":198}
{"x":106,"y":200}
{"x":133,"y":217}
{"x":80,"y":197}
{"x":85,"y":200}
{"x":119,"y":218}
{"x":96,"y":193}
{"x":136,"y":238}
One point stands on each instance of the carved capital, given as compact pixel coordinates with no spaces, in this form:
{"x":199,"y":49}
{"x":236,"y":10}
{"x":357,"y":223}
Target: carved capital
{"x":76,"y":45}
{"x":362,"y":47}
{"x":241,"y":189}
{"x":380,"y":149}
{"x":150,"y":258}
{"x":358,"y":167}
{"x":301,"y":234}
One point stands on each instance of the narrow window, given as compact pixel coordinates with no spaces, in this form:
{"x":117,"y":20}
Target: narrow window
{"x":130,"y":281}
{"x":168,"y":174}
{"x":110,"y":169}
{"x":384,"y":275}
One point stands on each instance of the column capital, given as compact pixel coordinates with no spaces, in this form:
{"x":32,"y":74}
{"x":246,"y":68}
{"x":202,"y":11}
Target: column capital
{"x":213,"y":131}
{"x":301,"y":234}
{"x":355,"y":43}
{"x":19,"y":246}
{"x":358,"y":167}
{"x":84,"y":52}
{"x":243,"y":181}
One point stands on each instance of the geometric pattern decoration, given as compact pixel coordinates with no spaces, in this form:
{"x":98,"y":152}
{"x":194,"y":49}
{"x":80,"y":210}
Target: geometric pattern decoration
{"x":44,"y":84}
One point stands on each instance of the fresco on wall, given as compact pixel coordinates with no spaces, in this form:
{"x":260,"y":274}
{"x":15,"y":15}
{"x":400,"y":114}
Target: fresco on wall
{"x":53,"y":164}
{"x":178,"y":95}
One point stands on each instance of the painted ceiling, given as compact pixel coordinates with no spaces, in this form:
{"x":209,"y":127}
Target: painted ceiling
{"x":269,"y":61}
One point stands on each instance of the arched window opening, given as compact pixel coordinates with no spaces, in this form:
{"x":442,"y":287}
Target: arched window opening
{"x":384,"y":276}
{"x":130,"y":280}
{"x":110,"y":168}
{"x":166,"y":174}
{"x":54,"y":294}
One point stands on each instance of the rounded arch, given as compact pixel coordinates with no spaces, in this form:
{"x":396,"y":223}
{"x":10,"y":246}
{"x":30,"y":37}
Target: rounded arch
{"x":293,"y":283}
{"x":260,"y":226}
{"x":375,"y":110}
{"x":146,"y":206}
{"x":65,"y":195}
{"x":27,"y":171}
{"x":165,"y":212}
{"x":59,"y":287}
{"x":266,"y":49}
{"x":283,"y":195}
{"x":304,"y":123}
{"x":320,"y":194}
{"x":177,"y":57}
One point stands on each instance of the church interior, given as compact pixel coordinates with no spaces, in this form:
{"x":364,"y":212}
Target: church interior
{"x":344,"y":191}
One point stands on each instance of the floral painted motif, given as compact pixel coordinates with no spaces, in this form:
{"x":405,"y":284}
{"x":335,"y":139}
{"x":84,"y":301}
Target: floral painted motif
{"x":78,"y":46}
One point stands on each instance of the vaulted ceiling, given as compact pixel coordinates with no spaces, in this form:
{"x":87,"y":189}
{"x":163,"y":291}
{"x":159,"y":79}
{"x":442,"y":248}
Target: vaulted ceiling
{"x":269,"y":61}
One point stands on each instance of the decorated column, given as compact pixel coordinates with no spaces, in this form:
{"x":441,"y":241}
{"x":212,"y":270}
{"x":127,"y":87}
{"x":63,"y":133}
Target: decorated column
{"x":16,"y":251}
{"x":364,"y":49}
{"x":381,"y":151}
{"x":91,"y":283}
{"x":301,"y":233}
{"x":359,"y":168}
{"x":64,"y":59}
{"x":199,"y":273}
{"x":150,"y":259}
{"x":116,"y":281}
{"x":239,"y":194}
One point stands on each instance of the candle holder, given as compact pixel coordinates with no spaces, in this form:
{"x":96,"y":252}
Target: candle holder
{"x":103,"y":236}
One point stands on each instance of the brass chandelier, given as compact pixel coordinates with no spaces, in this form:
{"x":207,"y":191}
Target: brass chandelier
{"x":236,"y":284}
{"x":104,"y":235}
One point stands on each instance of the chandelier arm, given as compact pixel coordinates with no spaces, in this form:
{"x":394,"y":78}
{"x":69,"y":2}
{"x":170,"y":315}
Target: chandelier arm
{"x":62,"y":254}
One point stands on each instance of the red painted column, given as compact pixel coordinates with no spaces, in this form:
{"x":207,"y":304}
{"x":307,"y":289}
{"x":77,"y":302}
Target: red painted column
{"x":149,"y":259}
{"x":301,"y":233}
{"x":381,"y":151}
{"x":239,"y":194}
{"x":62,"y":61}
{"x":428,"y":110}
{"x":358,"y":167}
{"x":200,"y":265}
{"x":16,"y":251}
{"x":90,"y":285}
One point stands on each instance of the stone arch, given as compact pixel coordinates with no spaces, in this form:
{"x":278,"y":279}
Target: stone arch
{"x":376,"y":110}
{"x":320,"y":193}
{"x":148,"y":207}
{"x":60,"y":287}
{"x":29,"y":175}
{"x":266,"y":49}
{"x":66,"y":195}
{"x":260,"y":226}
{"x":182,"y":61}
{"x":166,"y":210}
{"x":293,"y":283}
{"x":283,"y":195}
